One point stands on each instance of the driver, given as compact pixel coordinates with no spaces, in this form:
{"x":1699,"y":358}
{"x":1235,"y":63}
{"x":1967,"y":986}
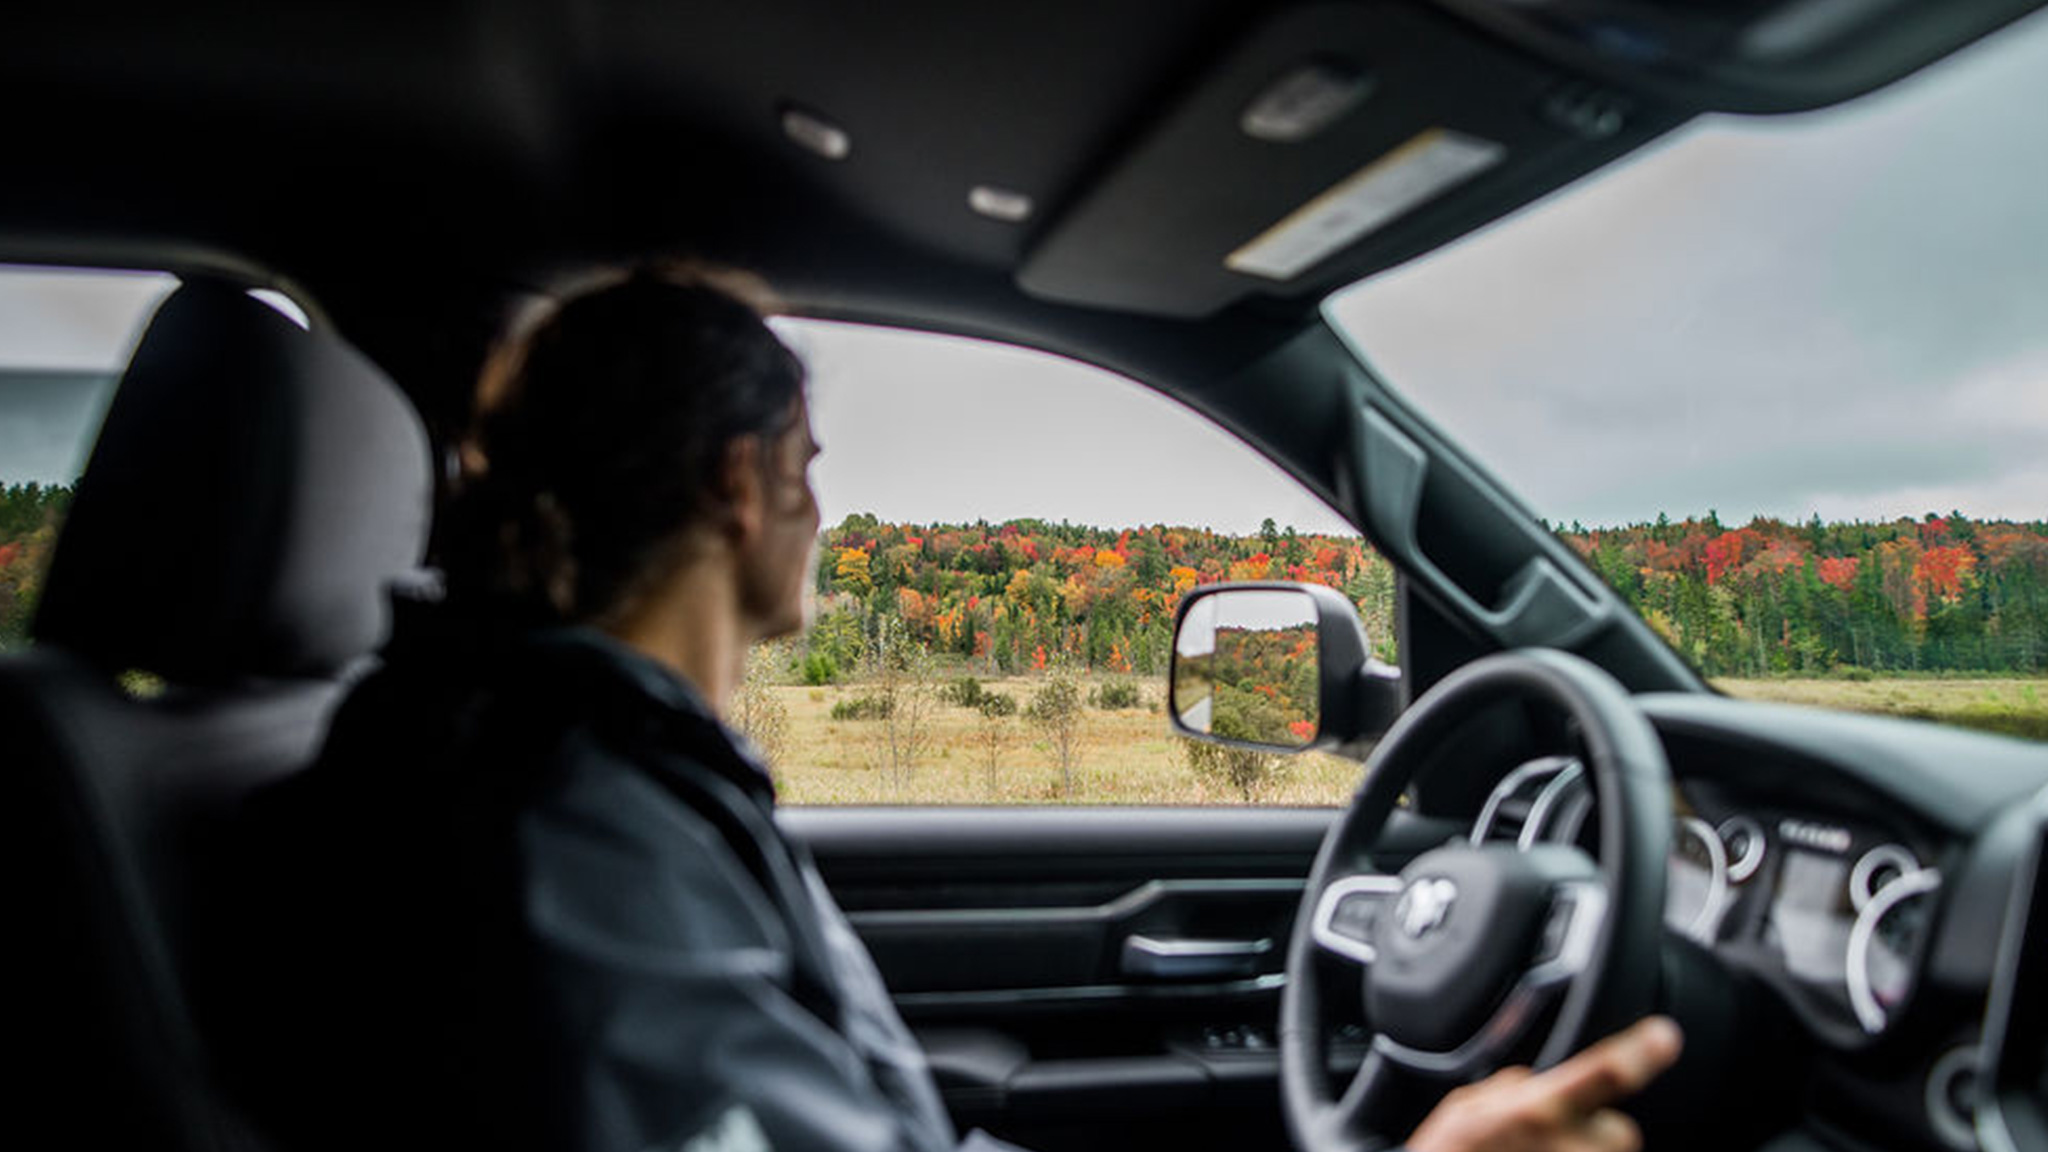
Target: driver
{"x":533,"y":895}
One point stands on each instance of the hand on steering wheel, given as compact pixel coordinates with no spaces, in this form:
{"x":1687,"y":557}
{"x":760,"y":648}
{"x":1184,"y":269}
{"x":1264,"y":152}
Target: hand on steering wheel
{"x":1472,"y":952}
{"x":1516,"y":1110}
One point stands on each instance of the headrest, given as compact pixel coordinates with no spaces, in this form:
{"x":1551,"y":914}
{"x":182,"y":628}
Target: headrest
{"x":254,"y":489}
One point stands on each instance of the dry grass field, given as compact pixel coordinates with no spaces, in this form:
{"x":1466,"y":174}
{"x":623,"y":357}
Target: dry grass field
{"x":1127,"y":756}
{"x":2015,"y":707}
{"x":1124,"y":756}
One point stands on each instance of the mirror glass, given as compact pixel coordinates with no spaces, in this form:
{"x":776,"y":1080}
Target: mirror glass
{"x":1245,"y":667}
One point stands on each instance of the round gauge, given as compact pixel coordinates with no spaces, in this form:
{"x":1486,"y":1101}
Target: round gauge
{"x":1744,"y":839}
{"x":1951,"y":1097}
{"x":1884,"y":942}
{"x":1876,"y":870}
{"x":1696,"y":887}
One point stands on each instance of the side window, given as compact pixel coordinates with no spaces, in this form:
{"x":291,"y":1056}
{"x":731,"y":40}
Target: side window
{"x":1006,"y":537}
{"x":65,"y":336}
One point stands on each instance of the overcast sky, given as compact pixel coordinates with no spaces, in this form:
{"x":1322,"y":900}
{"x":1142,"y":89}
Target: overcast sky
{"x":928,"y":428}
{"x":61,"y":335}
{"x":1843,"y":314}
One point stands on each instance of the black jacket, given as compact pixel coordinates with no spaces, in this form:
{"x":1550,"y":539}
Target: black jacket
{"x":534,"y":893}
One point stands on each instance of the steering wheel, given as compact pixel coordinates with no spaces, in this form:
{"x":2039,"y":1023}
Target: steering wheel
{"x":1474,"y":953}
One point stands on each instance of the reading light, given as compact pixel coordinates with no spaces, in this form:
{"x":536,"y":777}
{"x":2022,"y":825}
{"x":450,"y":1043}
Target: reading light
{"x":815,"y":134}
{"x":999,"y":203}
{"x":1305,"y":101}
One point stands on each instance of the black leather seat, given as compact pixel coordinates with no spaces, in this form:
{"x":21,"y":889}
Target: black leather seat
{"x":254,"y":490}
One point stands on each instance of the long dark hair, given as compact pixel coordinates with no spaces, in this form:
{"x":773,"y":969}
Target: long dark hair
{"x":598,"y":437}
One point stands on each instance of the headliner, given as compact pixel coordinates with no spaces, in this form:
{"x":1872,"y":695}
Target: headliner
{"x":412,"y":167}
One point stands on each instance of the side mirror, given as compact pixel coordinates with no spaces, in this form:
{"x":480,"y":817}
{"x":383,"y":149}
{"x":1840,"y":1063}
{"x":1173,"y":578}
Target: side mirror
{"x":1277,"y":667}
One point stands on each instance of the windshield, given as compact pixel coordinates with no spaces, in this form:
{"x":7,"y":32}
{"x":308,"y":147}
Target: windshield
{"x":1783,"y":382}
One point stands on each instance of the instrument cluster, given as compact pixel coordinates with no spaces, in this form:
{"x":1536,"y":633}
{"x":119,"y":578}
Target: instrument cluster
{"x":1834,"y":910}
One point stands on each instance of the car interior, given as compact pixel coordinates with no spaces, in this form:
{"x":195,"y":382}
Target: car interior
{"x":1841,"y":916}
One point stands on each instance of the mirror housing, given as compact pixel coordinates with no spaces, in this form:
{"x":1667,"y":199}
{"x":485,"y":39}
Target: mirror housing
{"x":1276,"y":667}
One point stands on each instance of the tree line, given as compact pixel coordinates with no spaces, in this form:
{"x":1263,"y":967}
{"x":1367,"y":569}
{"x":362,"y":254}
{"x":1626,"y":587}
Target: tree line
{"x":1934,"y":594}
{"x":1937,"y":594}
{"x":29,"y":517}
{"x":1025,"y":594}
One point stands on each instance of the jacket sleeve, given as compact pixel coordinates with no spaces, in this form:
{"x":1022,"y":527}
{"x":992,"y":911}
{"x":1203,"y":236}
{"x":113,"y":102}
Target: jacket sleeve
{"x":662,"y":965}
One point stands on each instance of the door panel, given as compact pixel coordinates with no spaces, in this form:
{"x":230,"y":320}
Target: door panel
{"x":1086,"y":978}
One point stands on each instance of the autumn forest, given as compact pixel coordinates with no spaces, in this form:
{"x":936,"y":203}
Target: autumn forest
{"x":1938,"y":594}
{"x":1935,"y":594}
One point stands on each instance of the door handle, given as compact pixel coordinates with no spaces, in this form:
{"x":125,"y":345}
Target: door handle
{"x":1157,"y":959}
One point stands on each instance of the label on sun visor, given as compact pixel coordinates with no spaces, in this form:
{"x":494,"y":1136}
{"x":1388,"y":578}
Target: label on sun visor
{"x":1424,"y":167}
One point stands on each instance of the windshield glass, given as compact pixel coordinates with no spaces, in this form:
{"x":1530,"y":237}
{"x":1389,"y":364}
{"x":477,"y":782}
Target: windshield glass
{"x":1783,"y":382}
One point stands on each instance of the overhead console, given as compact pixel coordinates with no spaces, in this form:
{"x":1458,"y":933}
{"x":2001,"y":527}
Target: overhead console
{"x":1329,"y":141}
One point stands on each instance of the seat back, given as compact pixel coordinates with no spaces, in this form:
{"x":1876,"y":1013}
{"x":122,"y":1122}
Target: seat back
{"x":222,"y":573}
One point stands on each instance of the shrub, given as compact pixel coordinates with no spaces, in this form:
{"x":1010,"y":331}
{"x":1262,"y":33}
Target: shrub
{"x":899,"y":670}
{"x":819,"y":668}
{"x":1117,"y":694}
{"x":755,"y":709}
{"x":868,"y":707}
{"x":1251,"y":715}
{"x":1055,"y":710}
{"x":994,"y":733}
{"x":1241,"y":769}
{"x":966,"y":692}
{"x":840,"y":637}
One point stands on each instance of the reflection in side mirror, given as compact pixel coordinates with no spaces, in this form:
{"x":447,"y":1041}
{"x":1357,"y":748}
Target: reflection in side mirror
{"x":1244,"y":667}
{"x":1278,"y":667}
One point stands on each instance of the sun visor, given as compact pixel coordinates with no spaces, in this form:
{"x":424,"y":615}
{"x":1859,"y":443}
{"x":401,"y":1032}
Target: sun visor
{"x":1332,"y":140}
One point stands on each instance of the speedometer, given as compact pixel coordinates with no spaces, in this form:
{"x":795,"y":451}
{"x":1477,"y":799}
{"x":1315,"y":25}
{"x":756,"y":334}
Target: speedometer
{"x":1696,"y":887}
{"x":1885,"y":941}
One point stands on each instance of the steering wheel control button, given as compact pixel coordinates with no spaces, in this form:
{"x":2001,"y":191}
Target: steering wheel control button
{"x":1569,"y":933}
{"x":1557,"y":929}
{"x":1356,"y":915}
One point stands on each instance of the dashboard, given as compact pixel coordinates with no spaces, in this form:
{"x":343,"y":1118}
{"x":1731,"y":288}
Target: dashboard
{"x":1832,"y":909}
{"x":1855,"y":875}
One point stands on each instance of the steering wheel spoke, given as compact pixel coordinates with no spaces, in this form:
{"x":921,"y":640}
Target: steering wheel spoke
{"x":1360,"y":1115}
{"x":1348,"y":914}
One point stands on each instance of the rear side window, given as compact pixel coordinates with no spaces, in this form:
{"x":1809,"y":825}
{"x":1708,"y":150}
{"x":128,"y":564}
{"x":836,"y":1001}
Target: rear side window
{"x":65,"y":336}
